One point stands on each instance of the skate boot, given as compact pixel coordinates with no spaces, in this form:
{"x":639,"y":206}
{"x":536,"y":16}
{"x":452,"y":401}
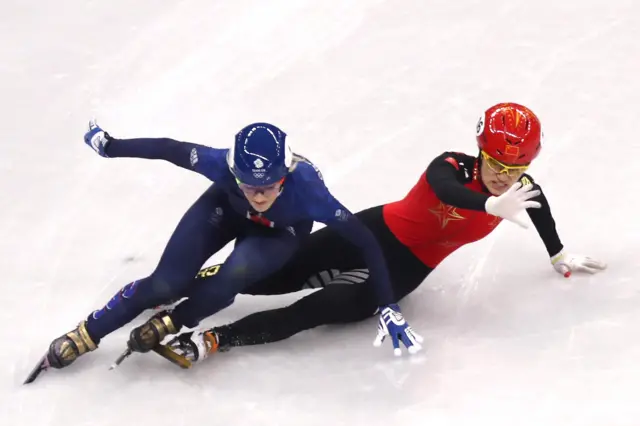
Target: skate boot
{"x":151,"y":333}
{"x":68,"y":347}
{"x":194,"y":346}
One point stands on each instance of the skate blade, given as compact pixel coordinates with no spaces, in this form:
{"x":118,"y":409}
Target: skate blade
{"x":41,"y":366}
{"x":166,"y":353}
{"x":121,"y":358}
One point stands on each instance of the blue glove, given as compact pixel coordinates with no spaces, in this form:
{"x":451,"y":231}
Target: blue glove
{"x":393,"y":324}
{"x":96,"y":138}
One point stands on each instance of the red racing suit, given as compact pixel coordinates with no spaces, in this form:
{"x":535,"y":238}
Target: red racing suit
{"x":445,"y":210}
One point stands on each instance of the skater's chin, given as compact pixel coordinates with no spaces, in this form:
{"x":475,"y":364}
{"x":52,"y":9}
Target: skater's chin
{"x":261,"y":206}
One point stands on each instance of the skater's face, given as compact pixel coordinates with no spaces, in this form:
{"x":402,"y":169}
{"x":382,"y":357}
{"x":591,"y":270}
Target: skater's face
{"x":498,"y":177}
{"x":261,"y":197}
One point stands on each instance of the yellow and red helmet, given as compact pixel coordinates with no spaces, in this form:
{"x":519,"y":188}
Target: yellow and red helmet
{"x":510,"y":133}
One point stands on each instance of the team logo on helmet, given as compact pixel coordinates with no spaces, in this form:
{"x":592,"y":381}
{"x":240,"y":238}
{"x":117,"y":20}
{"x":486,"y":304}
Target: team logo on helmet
{"x":258,"y":163}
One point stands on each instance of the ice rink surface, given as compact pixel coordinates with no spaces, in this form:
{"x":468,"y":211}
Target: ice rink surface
{"x":371,"y":91}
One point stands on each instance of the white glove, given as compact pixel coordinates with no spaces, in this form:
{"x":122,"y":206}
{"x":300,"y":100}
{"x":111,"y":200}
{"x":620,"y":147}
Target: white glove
{"x":565,"y":264}
{"x":512,"y":203}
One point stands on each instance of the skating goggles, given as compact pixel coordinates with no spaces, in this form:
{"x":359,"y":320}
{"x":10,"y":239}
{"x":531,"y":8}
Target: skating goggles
{"x":266,"y":190}
{"x":499,"y":168}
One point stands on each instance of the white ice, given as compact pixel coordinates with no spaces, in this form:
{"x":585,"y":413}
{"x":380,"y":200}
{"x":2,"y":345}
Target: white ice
{"x":371,"y":91}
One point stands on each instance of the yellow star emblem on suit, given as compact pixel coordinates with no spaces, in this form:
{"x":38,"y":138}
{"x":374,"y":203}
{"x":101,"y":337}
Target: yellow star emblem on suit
{"x":446,"y":213}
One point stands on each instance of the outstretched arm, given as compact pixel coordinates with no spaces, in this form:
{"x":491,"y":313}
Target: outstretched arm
{"x":543,"y":221}
{"x":199,"y":158}
{"x":563,"y":263}
{"x":182,"y":154}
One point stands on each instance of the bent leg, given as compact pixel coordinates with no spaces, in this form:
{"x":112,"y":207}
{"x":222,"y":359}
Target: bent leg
{"x":334,"y":304}
{"x":203,"y":230}
{"x":254,"y":258}
{"x":348,"y":298}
